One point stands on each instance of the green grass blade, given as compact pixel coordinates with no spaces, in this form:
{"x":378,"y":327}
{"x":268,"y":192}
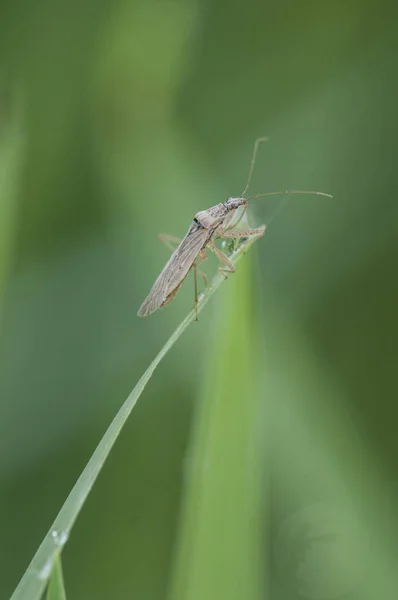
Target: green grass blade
{"x":219,"y":550}
{"x":36,"y":576}
{"x":56,"y":589}
{"x":11,"y":149}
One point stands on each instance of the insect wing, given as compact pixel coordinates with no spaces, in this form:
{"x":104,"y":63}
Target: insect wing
{"x":176,"y":269}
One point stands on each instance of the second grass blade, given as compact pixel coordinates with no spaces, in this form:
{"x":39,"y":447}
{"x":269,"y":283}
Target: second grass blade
{"x":219,"y":549}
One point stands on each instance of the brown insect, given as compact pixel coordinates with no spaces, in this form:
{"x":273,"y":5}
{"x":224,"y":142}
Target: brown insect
{"x":207,"y":225}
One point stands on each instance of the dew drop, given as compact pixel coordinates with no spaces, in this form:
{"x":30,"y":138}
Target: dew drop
{"x":60,"y":537}
{"x":45,"y":572}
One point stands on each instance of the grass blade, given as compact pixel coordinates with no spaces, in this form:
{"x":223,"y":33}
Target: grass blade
{"x":219,"y":551}
{"x":56,"y":589}
{"x":36,"y":576}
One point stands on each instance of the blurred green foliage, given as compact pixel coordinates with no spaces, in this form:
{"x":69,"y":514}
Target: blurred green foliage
{"x":119,"y":120}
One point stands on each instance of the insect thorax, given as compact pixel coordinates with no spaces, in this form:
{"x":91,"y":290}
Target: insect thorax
{"x":211,"y":217}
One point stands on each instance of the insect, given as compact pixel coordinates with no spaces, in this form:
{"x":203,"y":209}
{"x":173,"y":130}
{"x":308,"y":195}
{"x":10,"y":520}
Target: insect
{"x":207,"y":226}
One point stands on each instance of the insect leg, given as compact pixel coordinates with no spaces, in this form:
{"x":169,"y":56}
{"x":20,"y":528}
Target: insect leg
{"x":169,"y":241}
{"x":244,"y":233}
{"x":195,"y":279}
{"x":254,"y":234}
{"x":227,"y":226}
{"x":201,"y":257}
{"x":228,"y":266}
{"x":227,"y":223}
{"x":204,"y":277}
{"x":241,"y":215}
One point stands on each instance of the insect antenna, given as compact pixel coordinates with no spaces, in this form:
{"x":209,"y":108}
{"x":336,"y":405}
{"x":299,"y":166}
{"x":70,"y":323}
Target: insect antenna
{"x":284,"y":192}
{"x":282,"y":204}
{"x":258,"y":141}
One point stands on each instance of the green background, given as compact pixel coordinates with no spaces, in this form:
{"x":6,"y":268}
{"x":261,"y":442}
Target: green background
{"x":120,"y":120}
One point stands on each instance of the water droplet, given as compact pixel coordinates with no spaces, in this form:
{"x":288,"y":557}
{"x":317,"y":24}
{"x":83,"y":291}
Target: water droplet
{"x":45,"y":572}
{"x":60,"y":537}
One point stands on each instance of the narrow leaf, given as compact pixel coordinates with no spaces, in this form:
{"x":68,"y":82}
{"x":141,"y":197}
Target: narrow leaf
{"x":56,"y":589}
{"x":36,"y":576}
{"x":219,"y":550}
